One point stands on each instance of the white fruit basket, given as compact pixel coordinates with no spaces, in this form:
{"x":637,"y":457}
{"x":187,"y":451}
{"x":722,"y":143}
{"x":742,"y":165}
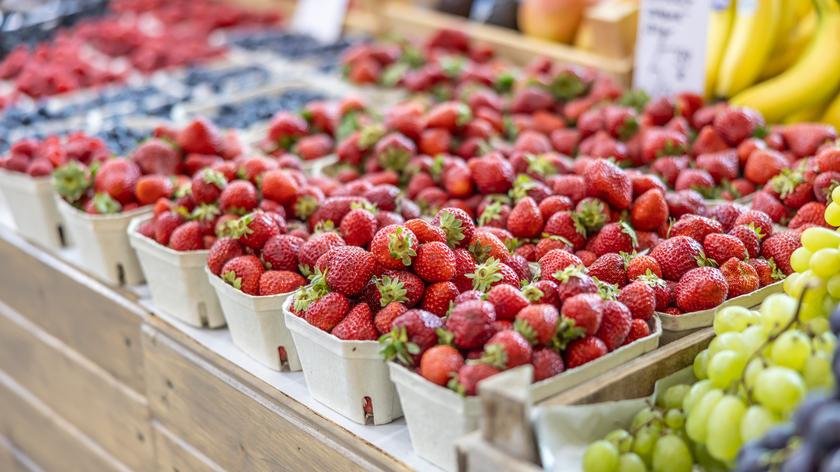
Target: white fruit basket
{"x":257,"y":325}
{"x":176,"y":280}
{"x":344,"y":375}
{"x":32,"y":205}
{"x":436,"y":416}
{"x":104,"y":248}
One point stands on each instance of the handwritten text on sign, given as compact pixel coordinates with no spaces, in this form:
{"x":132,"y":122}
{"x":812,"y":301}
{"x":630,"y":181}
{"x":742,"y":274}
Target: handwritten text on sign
{"x":671,"y":46}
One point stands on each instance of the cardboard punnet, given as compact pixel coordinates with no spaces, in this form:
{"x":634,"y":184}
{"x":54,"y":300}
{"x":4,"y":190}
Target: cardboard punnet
{"x":704,"y":318}
{"x":31,"y":203}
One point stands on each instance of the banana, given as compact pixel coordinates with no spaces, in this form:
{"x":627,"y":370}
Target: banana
{"x":805,"y":115}
{"x":832,"y":113}
{"x":720,"y":24}
{"x":811,"y":81}
{"x":753,"y":35}
{"x":788,"y":51}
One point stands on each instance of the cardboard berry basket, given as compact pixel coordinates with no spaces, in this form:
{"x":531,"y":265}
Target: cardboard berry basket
{"x":257,"y":325}
{"x":103,"y":244}
{"x":347,"y":376}
{"x":704,"y":318}
{"x":32,"y":205}
{"x":176,"y":280}
{"x":437,"y":416}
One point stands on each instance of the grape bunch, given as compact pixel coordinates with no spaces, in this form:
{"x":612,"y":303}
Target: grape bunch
{"x":832,"y":211}
{"x":810,"y":441}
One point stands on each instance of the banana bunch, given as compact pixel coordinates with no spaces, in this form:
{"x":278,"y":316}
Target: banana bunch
{"x":780,"y":57}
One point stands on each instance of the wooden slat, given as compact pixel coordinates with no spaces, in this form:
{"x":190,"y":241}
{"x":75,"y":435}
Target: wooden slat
{"x":98,"y":322}
{"x":78,"y":390}
{"x":173,"y":454}
{"x":477,"y":455}
{"x":237,"y":426}
{"x":35,"y":437}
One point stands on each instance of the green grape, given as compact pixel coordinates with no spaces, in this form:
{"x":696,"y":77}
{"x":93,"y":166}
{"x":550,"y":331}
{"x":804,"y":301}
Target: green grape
{"x":824,"y":342}
{"x":756,"y":421}
{"x":622,"y":440}
{"x":730,"y":341}
{"x":671,"y":454}
{"x":825,"y":262}
{"x":817,"y":371}
{"x":813,"y":302}
{"x":753,"y":337}
{"x":706,"y":461}
{"x":695,"y":393}
{"x":695,"y":424}
{"x":798,"y":285}
{"x":835,"y":195}
{"x":674,"y":418}
{"x":832,"y":214}
{"x":800,"y":259}
{"x":833,"y":285}
{"x":790,"y":281}
{"x":631,"y":462}
{"x":644,"y":416}
{"x":723,"y":428}
{"x":646,"y":439}
{"x":777,"y":311}
{"x":726,"y":367}
{"x":674,"y":395}
{"x":755,"y":367}
{"x":791,"y":349}
{"x":779,"y":389}
{"x":701,"y":362}
{"x":733,"y":318}
{"x":818,"y":326}
{"x":600,"y":456}
{"x":817,"y":238}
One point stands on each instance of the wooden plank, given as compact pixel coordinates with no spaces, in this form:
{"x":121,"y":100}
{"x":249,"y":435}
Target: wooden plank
{"x":36,"y":437}
{"x":99,"y":322}
{"x":13,"y":460}
{"x":237,"y":426}
{"x":176,"y":455}
{"x":78,"y":390}
{"x":477,"y":455}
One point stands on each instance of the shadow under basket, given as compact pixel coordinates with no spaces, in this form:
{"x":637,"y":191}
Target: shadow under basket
{"x":31,"y":203}
{"x":176,"y":280}
{"x":257,"y":325}
{"x":103,"y":244}
{"x":349,"y":377}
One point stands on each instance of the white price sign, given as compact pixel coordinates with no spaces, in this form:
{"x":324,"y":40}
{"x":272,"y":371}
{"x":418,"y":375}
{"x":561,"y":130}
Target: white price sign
{"x":321,"y":19}
{"x":671,"y":46}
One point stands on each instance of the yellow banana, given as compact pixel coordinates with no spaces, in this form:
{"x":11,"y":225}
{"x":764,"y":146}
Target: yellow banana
{"x":801,"y":8}
{"x":805,"y":115}
{"x":720,"y":24}
{"x":832,"y":113}
{"x":787,"y":21}
{"x":753,"y":35}
{"x":811,"y":81}
{"x":788,"y":51}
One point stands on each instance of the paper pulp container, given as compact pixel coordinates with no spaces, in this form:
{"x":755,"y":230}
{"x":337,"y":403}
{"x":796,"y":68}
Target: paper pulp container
{"x":176,"y":280}
{"x":705,"y":318}
{"x":103,"y":243}
{"x":436,"y":416}
{"x":257,"y":325}
{"x":32,"y":205}
{"x":344,"y":375}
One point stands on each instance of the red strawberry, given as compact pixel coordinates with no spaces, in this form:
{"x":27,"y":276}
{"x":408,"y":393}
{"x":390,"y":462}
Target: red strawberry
{"x":117,"y":178}
{"x":223,"y":250}
{"x":187,"y":237}
{"x":614,"y":237}
{"x":609,"y":268}
{"x":607,"y":181}
{"x":722,"y":247}
{"x":767,"y":203}
{"x":425,"y":231}
{"x":708,"y":141}
{"x":150,"y":188}
{"x":274,"y":282}
{"x":254,"y":229}
{"x":824,"y":183}
{"x":659,"y":142}
{"x":457,"y":224}
{"x":553,"y":204}
{"x":471,"y":324}
{"x":676,"y":256}
{"x":537,"y":323}
{"x":394,"y":246}
{"x":396,"y":285}
{"x":810,"y":213}
{"x":764,"y":164}
{"x":727,"y":213}
{"x":240,"y":196}
{"x":280,"y":252}
{"x":207,"y":186}
{"x":348,"y":269}
{"x":435,"y":262}
{"x":491,"y":174}
{"x":358,"y":227}
{"x":357,"y":325}
{"x":469,"y":377}
{"x":326,"y":312}
{"x":525,"y":220}
{"x":568,"y":226}
{"x":700,"y":289}
{"x":165,"y":225}
{"x":766,"y":271}
{"x":385,"y":317}
{"x":279,"y":185}
{"x":333,"y":209}
{"x":803,"y":139}
{"x":638,"y":329}
{"x":741,"y":278}
{"x":438,"y":296}
{"x":640,"y":265}
{"x":584,"y":350}
{"x":615,"y":324}
{"x":779,"y":247}
{"x":639,"y":298}
{"x":155,"y":156}
{"x":506,"y":350}
{"x":737,"y":124}
{"x":243,"y":273}
{"x":440,"y":363}
{"x":465,"y":266}
{"x":556,"y":261}
{"x":318,"y":245}
{"x":649,"y":211}
{"x":507,"y":301}
{"x":685,"y":201}
{"x":199,"y":137}
{"x":314,"y":147}
{"x":586,"y":310}
{"x":485,"y":244}
{"x":547,"y":363}
{"x":696,"y":227}
{"x":759,"y":220}
{"x":696,"y":179}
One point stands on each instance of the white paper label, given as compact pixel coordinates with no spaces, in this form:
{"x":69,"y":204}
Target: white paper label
{"x":671,"y":46}
{"x":321,"y":19}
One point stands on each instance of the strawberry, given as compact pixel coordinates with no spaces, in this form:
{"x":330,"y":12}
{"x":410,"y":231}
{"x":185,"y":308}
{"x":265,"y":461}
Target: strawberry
{"x":609,"y":268}
{"x":766,"y":271}
{"x":615,"y":324}
{"x":506,"y":350}
{"x":570,"y":186}
{"x":757,"y":220}
{"x":662,"y":289}
{"x":240,"y":196}
{"x":357,"y":325}
{"x":607,"y":181}
{"x":457,"y":224}
{"x":647,"y":240}
{"x":547,"y":363}
{"x":254,"y":229}
{"x":737,"y":124}
{"x":708,"y":141}
{"x":223,"y":250}
{"x":469,"y":376}
{"x":440,"y":363}
{"x":485,"y":244}
{"x":156,"y":156}
{"x":284,"y":128}
{"x":659,"y":142}
{"x":314,"y":147}
{"x":425,"y":231}
{"x":722,"y":247}
{"x":828,"y":159}
{"x":348,"y":269}
{"x":810,"y":213}
{"x":639,"y":298}
{"x":614,"y":237}
{"x":435,"y":262}
{"x":803,"y":139}
{"x":326,"y":312}
{"x":676,"y":256}
{"x":393,"y":151}
{"x":150,"y":188}
{"x":581,"y":351}
{"x":471,"y":324}
{"x":438,"y":296}
{"x":396,"y":285}
{"x":569,"y":226}
{"x":741,"y":278}
{"x":585,"y":310}
{"x":507,"y":301}
{"x":280,"y":252}
{"x":333,"y":209}
{"x":779,"y":247}
{"x":117,"y":178}
{"x":464,"y":266}
{"x":275,"y":282}
{"x":548,"y":244}
{"x":279,"y":185}
{"x":638,"y":329}
{"x":767,"y":203}
{"x":207,"y":185}
{"x":649,"y":211}
{"x":385,"y":317}
{"x":639,"y":265}
{"x":764,"y":164}
{"x":700,"y":289}
{"x":525,"y":220}
{"x":491,"y":174}
{"x":727,"y":213}
{"x":394,"y":246}
{"x":695,"y":179}
{"x":165,"y":224}
{"x":187,"y":237}
{"x":243,"y":273}
{"x":318,"y":245}
{"x":200,"y":136}
{"x":685,"y":201}
{"x":825,"y":183}
{"x":556,"y":261}
{"x":358,"y":227}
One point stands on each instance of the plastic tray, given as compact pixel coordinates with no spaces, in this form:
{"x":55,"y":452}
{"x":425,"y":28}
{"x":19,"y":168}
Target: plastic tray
{"x":32,"y":205}
{"x":704,"y":318}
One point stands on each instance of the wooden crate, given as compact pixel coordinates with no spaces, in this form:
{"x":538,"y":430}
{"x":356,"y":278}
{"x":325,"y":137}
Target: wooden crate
{"x":506,"y":440}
